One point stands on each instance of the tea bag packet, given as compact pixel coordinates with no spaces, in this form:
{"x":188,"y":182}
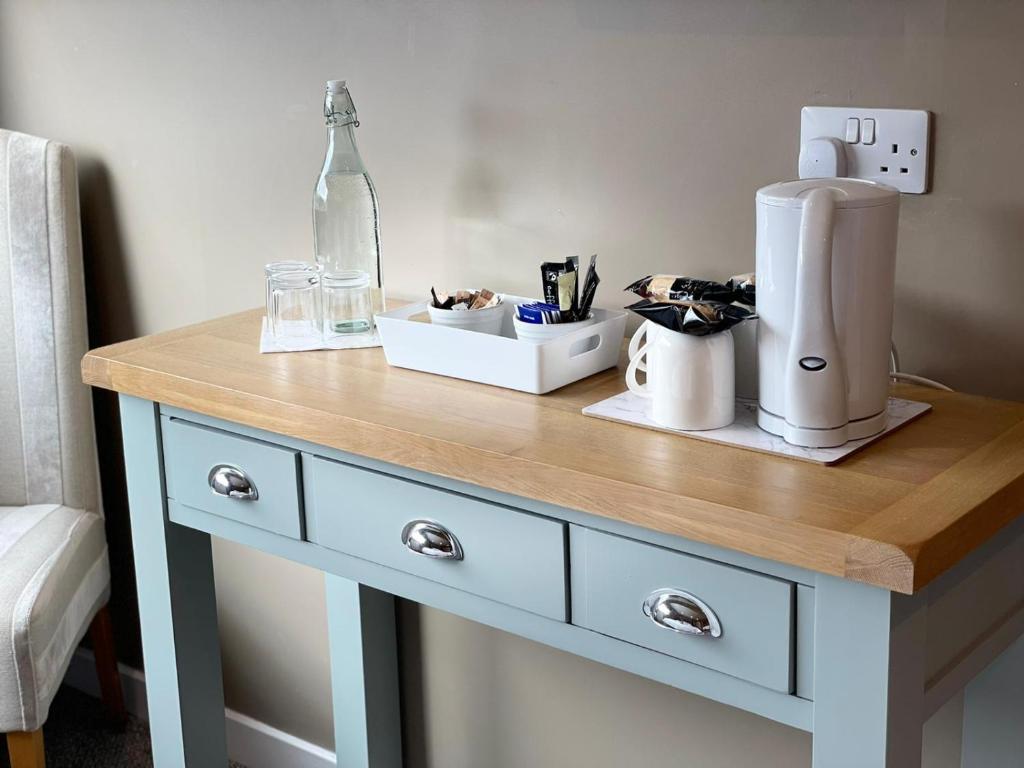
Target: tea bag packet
{"x":696,"y":318}
{"x":677,"y":288}
{"x":462,"y":301}
{"x":441,"y":300}
{"x":484,"y":299}
{"x":743,"y":289}
{"x":539,"y":313}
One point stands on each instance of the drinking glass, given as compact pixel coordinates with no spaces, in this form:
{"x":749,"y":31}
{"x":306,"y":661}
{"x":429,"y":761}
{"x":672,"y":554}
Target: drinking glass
{"x":275,"y":267}
{"x":293,"y":306}
{"x":347,"y":304}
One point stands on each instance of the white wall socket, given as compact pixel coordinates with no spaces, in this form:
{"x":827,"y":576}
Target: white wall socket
{"x":891,"y":146}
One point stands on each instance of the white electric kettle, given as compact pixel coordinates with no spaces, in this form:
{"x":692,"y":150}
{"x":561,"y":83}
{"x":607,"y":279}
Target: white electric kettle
{"x":826,"y":259}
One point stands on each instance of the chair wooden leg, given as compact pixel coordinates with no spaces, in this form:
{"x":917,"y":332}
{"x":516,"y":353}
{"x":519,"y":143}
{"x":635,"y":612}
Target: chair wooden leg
{"x":102,"y":635}
{"x":26,"y":749}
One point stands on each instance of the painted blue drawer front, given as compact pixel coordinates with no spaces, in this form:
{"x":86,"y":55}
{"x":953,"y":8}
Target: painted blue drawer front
{"x":612,"y":576}
{"x":510,"y":556}
{"x":191,"y":450}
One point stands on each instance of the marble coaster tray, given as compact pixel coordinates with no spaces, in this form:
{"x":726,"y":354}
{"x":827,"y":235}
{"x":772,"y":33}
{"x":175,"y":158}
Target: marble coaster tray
{"x":628,"y":408}
{"x":361,"y":341}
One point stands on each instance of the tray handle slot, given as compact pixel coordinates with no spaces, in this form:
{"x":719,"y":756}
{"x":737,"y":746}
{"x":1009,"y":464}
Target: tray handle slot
{"x":583,"y":346}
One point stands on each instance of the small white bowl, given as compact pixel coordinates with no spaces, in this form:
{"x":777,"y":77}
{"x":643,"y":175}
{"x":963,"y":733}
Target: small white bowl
{"x":541,"y":332}
{"x":480,"y":320}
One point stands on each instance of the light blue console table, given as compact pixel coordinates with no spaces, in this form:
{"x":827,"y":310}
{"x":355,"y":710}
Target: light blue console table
{"x":856,"y":628}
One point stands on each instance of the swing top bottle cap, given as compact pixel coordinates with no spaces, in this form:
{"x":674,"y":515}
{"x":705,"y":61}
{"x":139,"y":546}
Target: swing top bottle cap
{"x":338,"y":106}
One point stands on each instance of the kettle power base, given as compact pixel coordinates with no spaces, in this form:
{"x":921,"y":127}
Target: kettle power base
{"x":627,"y":408}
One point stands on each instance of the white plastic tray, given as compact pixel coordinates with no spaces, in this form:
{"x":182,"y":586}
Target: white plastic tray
{"x":503,"y":361}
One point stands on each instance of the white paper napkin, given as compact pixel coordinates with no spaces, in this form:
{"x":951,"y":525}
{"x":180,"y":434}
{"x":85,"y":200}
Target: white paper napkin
{"x":306,"y":343}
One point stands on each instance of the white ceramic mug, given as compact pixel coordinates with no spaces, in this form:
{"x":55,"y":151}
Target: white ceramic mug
{"x":690,"y":379}
{"x":744,"y":339}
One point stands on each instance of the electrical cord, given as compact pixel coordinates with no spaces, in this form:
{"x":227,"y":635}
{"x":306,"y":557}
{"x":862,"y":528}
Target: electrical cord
{"x":912,"y":379}
{"x":896,"y":375}
{"x":894,"y":357}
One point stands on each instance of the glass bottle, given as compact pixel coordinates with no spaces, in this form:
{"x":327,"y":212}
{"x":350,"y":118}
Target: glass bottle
{"x":346,"y":227}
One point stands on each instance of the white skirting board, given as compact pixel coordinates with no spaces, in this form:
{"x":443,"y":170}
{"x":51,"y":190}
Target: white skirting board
{"x":250,"y":742}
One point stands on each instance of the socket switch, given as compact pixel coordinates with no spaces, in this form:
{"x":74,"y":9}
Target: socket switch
{"x":892,"y":146}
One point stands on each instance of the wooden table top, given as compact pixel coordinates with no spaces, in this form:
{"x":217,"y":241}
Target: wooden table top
{"x":896,"y":514}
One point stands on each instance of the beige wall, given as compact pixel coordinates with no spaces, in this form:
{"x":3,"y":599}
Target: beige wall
{"x":500,"y":134}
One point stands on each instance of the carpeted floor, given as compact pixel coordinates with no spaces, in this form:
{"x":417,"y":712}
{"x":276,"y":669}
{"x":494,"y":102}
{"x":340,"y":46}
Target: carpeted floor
{"x":77,"y":737}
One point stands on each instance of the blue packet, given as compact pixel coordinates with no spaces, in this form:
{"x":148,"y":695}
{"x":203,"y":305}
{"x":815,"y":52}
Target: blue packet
{"x":539,"y":313}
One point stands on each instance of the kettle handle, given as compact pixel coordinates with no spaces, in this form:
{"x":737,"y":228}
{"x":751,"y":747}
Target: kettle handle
{"x":816,"y":384}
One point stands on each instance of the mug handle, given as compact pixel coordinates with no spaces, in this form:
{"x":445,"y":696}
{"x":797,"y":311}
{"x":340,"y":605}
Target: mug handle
{"x":634,"y":345}
{"x":636,"y":362}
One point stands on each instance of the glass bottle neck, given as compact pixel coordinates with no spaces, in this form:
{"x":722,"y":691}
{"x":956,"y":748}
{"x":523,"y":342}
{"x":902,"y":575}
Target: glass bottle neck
{"x":342,"y":154}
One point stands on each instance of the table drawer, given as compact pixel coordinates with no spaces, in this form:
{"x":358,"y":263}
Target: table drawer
{"x":615,"y":580}
{"x":496,"y":552}
{"x":194,"y":453}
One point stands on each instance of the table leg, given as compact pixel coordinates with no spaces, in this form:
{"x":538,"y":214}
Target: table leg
{"x":994,"y":713}
{"x":177,"y":608}
{"x":364,"y":675}
{"x":868,"y":676}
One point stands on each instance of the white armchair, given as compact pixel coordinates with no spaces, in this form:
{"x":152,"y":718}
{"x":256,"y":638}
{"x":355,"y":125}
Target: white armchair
{"x":54,"y":573}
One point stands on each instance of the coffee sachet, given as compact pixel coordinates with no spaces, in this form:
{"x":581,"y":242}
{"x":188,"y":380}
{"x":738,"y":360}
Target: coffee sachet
{"x":551,"y":271}
{"x":743,"y":289}
{"x":560,"y":282}
{"x":696,"y":318}
{"x":660,"y":288}
{"x":567,"y":292}
{"x":589,"y":290}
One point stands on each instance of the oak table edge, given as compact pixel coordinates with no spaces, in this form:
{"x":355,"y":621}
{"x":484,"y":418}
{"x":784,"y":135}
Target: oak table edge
{"x":892,"y":562}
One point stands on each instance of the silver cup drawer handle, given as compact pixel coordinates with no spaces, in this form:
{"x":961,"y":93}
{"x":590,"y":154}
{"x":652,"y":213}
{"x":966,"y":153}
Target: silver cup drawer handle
{"x":430,"y":539}
{"x":232,"y":482}
{"x":681,"y":612}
